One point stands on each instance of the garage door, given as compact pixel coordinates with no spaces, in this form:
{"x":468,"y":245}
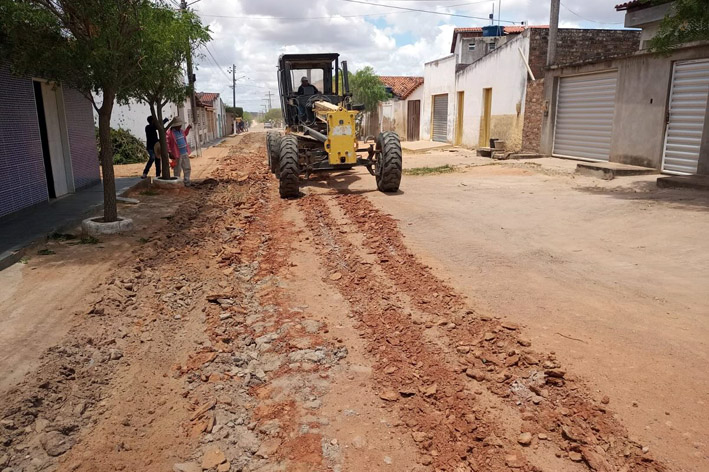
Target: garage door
{"x":688,"y":105}
{"x":440,"y":118}
{"x":584,"y":116}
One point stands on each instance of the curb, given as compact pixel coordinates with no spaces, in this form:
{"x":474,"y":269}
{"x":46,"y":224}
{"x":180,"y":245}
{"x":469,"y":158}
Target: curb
{"x":13,"y":255}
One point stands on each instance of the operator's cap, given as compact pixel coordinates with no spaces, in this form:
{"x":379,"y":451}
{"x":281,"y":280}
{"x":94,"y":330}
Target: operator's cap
{"x":303,"y":79}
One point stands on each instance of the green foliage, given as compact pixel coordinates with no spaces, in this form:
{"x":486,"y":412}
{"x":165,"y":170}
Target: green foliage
{"x":93,"y":46}
{"x":274,"y":114}
{"x":367,"y":89}
{"x":168,"y":38}
{"x":237,"y":111}
{"x":688,"y":20}
{"x":89,"y":240}
{"x":127,"y":149}
{"x":89,"y":45}
{"x":248,"y":117}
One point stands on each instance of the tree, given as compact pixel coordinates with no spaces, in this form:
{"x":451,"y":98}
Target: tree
{"x":274,"y":114}
{"x":367,"y":89}
{"x":168,"y":38}
{"x":93,"y":46}
{"x":687,"y":20}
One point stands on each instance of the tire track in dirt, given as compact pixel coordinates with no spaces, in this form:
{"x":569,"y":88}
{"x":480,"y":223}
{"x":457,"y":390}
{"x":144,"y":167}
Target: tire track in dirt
{"x":548,"y":401}
{"x":441,"y":414}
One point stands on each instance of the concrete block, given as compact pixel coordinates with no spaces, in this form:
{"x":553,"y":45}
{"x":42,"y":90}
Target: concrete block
{"x":168,"y":184}
{"x":96,"y":227}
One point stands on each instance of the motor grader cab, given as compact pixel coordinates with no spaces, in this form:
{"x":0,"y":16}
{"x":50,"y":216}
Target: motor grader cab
{"x":320,"y":122}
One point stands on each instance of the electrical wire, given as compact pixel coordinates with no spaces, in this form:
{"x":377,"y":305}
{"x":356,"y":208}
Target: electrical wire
{"x":587,"y":19}
{"x":427,"y":11}
{"x":366,"y":15}
{"x":216,"y":63}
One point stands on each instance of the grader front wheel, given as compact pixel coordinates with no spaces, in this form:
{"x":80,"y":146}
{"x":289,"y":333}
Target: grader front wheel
{"x":389,"y":162}
{"x":289,"y":167}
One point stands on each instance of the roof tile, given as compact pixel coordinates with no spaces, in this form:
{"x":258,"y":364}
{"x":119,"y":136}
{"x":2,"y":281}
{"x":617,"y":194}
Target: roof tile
{"x":401,"y":86}
{"x":206,"y":98}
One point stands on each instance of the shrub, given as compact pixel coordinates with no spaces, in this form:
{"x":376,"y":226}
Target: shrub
{"x":127,"y":149}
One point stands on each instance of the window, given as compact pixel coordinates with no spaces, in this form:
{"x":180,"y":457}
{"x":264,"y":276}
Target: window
{"x":491,"y":47}
{"x":471,"y":46}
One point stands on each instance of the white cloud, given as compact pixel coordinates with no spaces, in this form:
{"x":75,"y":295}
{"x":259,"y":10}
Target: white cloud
{"x":393,"y":42}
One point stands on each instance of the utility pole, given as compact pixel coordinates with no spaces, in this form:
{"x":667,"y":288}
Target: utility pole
{"x":233,"y":85}
{"x":553,"y":28}
{"x":269,"y":99}
{"x":191,"y":81}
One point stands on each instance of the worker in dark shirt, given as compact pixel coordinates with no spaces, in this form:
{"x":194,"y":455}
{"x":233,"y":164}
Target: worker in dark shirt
{"x":151,"y":139}
{"x":306,"y":89}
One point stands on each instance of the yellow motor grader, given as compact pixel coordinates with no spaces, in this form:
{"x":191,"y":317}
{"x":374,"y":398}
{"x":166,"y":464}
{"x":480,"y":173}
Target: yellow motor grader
{"x":320,"y":122}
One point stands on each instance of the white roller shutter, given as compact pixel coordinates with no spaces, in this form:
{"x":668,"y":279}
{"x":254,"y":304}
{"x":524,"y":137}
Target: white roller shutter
{"x":584,"y":116}
{"x":688,"y":105}
{"x":440,"y":118}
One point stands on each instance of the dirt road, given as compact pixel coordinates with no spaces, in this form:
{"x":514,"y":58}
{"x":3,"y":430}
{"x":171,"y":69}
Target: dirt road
{"x":256,"y":334}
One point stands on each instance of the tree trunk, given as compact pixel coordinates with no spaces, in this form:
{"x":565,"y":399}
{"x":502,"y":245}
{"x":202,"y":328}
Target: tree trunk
{"x":110,"y":210}
{"x":164,"y":159}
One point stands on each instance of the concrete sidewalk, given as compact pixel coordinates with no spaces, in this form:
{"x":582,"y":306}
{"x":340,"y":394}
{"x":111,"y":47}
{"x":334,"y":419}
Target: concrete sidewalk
{"x":19,"y":230}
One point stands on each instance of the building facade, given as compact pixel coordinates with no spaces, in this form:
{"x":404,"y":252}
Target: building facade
{"x":470,"y":103}
{"x":211,"y":117}
{"x":644,"y":109}
{"x":48,"y":142}
{"x":401,"y":113}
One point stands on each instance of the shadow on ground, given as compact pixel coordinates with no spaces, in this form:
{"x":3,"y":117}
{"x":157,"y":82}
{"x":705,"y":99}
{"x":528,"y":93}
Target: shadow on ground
{"x":681,"y":199}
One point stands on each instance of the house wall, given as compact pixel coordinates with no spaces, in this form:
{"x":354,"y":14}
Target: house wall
{"x":22,"y":177}
{"x":392,"y":115}
{"x":23,"y":180}
{"x":533,"y":115}
{"x":505,"y":72}
{"x":578,"y":45}
{"x":466,"y":56}
{"x":439,"y":78}
{"x":82,"y":139}
{"x":641,"y":103}
{"x":647,"y":18}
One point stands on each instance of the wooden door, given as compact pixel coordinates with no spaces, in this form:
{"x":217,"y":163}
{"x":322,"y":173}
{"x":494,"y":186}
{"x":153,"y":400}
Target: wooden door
{"x":413,"y":120}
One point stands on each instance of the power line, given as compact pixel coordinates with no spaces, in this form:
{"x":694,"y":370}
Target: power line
{"x":216,"y":63}
{"x":366,"y":15}
{"x":426,"y":11}
{"x":587,"y":19}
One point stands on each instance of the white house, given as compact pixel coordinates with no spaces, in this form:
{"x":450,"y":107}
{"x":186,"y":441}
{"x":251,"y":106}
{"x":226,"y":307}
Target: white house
{"x":402,"y":112}
{"x":490,"y":86}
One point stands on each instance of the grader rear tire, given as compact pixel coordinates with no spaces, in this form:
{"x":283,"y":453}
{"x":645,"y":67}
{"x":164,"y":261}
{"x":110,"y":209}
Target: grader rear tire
{"x":389,"y":162}
{"x":289,"y":167}
{"x":273,"y":148}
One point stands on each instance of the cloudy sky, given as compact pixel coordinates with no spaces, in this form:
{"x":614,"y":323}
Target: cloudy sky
{"x":252,"y":34}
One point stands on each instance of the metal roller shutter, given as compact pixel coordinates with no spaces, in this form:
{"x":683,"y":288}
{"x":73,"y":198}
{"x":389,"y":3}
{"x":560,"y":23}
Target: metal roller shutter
{"x":584,"y":116}
{"x":688,"y":104}
{"x":440,"y":118}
